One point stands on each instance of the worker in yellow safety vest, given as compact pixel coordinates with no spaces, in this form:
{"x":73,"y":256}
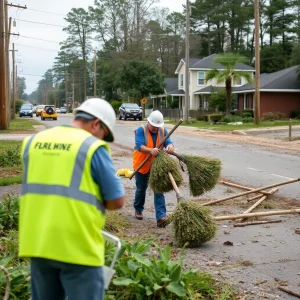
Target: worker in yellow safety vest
{"x":69,"y":181}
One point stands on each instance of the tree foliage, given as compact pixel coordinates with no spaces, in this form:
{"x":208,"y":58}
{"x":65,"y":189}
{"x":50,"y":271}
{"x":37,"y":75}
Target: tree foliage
{"x":229,"y":74}
{"x":140,"y":79}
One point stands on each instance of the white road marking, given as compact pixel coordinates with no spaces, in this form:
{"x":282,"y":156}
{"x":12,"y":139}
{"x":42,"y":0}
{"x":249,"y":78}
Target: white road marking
{"x":253,"y":169}
{"x":288,"y":178}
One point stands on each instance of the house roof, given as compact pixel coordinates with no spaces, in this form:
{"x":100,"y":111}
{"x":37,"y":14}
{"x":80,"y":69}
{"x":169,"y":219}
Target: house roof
{"x":171,"y":84}
{"x":208,"y":63}
{"x":210,"y":89}
{"x":278,"y":81}
{"x":172,"y":87}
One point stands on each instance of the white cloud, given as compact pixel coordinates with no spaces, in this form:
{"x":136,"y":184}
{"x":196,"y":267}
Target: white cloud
{"x":35,"y":56}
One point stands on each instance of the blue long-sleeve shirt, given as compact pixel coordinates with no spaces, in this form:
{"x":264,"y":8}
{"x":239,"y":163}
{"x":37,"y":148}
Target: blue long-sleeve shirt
{"x":140,"y":138}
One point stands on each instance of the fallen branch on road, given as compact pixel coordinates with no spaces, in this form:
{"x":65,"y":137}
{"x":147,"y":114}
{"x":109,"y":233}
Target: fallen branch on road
{"x":289,"y":291}
{"x":256,"y":223}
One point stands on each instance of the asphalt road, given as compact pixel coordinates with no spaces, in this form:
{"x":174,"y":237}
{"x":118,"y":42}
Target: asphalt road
{"x":242,"y":163}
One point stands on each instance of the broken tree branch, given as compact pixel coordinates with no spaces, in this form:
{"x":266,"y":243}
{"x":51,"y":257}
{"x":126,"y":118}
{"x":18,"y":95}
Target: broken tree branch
{"x":258,"y":203}
{"x":259,"y":214}
{"x":256,"y":223}
{"x":289,"y":291}
{"x":249,"y":192}
{"x":242,"y":187}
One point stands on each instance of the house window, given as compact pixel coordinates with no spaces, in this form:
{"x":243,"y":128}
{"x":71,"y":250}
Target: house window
{"x":201,"y":78}
{"x":238,"y":81}
{"x":235,"y":103}
{"x":181,"y":81}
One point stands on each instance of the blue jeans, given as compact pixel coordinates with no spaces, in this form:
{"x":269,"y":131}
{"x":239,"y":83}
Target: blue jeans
{"x":141,"y":182}
{"x":54,"y":280}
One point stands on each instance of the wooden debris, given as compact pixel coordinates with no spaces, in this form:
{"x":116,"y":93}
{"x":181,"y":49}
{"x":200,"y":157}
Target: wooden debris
{"x":289,"y":291}
{"x":243,"y":187}
{"x":259,"y":214}
{"x":256,"y":223}
{"x":249,"y":192}
{"x":258,"y":203}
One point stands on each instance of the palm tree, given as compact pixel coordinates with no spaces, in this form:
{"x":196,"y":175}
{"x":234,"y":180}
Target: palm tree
{"x":229,"y":74}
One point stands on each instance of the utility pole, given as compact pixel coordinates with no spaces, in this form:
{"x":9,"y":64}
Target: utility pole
{"x":17,"y":84}
{"x":3,"y":101}
{"x":187,"y":62}
{"x":257,"y":63}
{"x":7,"y":40}
{"x":95,"y":73}
{"x":13,"y":116}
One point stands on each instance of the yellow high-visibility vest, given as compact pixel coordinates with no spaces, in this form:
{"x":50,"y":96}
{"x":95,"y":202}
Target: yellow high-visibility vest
{"x":61,"y":209}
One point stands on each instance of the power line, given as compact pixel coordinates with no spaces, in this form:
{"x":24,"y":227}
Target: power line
{"x":33,"y":47}
{"x":33,"y":38}
{"x":40,"y":23}
{"x":46,"y":12}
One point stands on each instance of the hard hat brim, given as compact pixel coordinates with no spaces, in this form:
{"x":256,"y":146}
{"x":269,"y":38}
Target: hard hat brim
{"x":155,"y":125}
{"x":89,"y":116}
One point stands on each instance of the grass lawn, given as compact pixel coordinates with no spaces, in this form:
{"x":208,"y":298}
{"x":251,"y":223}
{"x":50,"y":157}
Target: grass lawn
{"x":21,"y":124}
{"x":226,"y":127}
{"x":10,"y":163}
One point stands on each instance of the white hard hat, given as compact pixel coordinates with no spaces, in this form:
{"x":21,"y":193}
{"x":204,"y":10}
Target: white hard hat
{"x":102,"y":110}
{"x":156,"y":119}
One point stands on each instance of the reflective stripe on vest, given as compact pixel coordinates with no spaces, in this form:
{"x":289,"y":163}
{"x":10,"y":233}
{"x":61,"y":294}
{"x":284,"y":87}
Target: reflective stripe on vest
{"x":71,"y":191}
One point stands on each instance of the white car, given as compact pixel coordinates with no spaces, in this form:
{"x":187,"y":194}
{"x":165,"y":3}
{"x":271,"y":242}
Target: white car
{"x":58,"y":110}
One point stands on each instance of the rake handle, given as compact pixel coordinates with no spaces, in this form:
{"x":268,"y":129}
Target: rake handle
{"x":175,"y":187}
{"x":160,"y":144}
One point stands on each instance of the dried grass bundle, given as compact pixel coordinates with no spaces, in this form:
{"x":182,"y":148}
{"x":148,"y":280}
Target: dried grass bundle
{"x":203,"y":172}
{"x":159,"y":180}
{"x":192,"y":223}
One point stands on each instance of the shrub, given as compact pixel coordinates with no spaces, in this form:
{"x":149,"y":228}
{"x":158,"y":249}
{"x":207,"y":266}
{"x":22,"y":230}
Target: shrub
{"x":247,"y":120}
{"x":9,"y":212}
{"x":215,"y":117}
{"x":175,"y":103}
{"x":19,"y":103}
{"x":295,"y":114}
{"x":250,"y":112}
{"x":218,"y":100}
{"x":116,"y":104}
{"x":145,"y":271}
{"x":247,"y":115}
{"x":232,"y":119}
{"x":10,"y":157}
{"x":17,"y":270}
{"x":235,"y":112}
{"x":271,"y":116}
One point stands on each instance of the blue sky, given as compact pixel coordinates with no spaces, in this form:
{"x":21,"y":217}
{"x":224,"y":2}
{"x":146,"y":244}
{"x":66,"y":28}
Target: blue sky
{"x":35,"y":56}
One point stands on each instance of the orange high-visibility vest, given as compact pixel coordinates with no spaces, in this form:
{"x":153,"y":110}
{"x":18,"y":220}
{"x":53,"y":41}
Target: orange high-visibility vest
{"x":138,"y":157}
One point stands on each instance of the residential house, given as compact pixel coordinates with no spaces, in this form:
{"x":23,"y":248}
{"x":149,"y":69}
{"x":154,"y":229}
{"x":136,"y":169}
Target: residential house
{"x":200,"y":90}
{"x":279,"y":92}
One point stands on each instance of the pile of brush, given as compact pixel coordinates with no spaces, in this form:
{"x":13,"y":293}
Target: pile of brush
{"x":159,"y":179}
{"x":204,"y":173}
{"x":192,"y":223}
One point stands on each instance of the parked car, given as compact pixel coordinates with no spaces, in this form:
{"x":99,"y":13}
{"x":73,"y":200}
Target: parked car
{"x":26,"y":111}
{"x":49,"y":112}
{"x":130,"y":110}
{"x":58,"y":110}
{"x":63,"y":110}
{"x":39,"y":110}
